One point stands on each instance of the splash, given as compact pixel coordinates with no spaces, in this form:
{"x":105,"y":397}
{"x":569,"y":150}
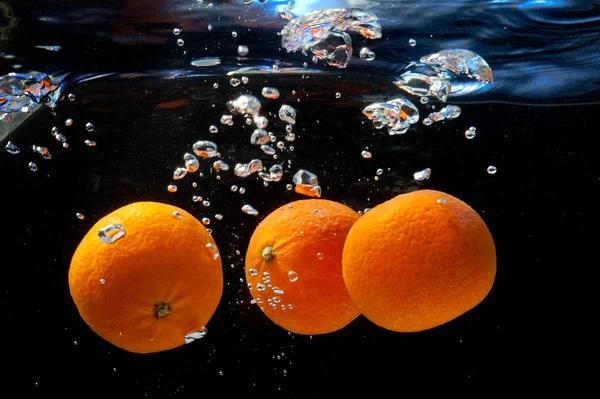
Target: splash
{"x":324,"y":33}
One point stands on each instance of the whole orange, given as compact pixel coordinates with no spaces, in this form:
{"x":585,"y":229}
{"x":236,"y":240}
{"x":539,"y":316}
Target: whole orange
{"x":418,"y":261}
{"x":294,"y":266}
{"x":153,"y":288}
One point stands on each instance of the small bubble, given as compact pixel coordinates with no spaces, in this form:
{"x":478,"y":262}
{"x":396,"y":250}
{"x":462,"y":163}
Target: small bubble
{"x":206,"y":203}
{"x":424,"y":100}
{"x":179,"y":173}
{"x":89,"y":127}
{"x":234,"y":188}
{"x":441,"y":201}
{"x":292,"y":276}
{"x":320,"y":256}
{"x":12,"y":148}
{"x":422,"y":174}
{"x":366,"y":154}
{"x":69,"y":122}
{"x":290,"y":306}
{"x":80,"y":216}
{"x":289,"y":187}
{"x":277,"y":290}
{"x":253,"y":272}
{"x":412,"y":42}
{"x":471,"y":132}
{"x":427,"y":121}
{"x":213,"y":248}
{"x":249,"y":209}
{"x":205,"y":221}
{"x":194,"y":184}
{"x":242,"y":190}
{"x":191,"y":337}
{"x":71,"y":97}
{"x":180,"y":42}
{"x":492,"y":170}
{"x":176,"y":31}
{"x":102,"y":281}
{"x":242,"y":50}
{"x":196,"y":198}
{"x":213,"y":129}
{"x":177,"y":215}
{"x":218,"y":216}
{"x":338,"y":95}
{"x":260,"y":287}
{"x":33,"y":167}
{"x":366,"y":54}
{"x":111,"y":233}
{"x":234,"y":34}
{"x":90,"y":143}
{"x":379,"y":172}
{"x":235,"y":82}
{"x":245,"y":80}
{"x":215,"y":86}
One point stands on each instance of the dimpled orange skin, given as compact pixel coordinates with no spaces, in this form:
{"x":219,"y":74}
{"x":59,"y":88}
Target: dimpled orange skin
{"x":297,"y":233}
{"x":413,"y":263}
{"x":160,"y":260}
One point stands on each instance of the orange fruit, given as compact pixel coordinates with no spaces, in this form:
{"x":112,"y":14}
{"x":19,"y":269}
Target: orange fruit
{"x":418,"y":261}
{"x":153,"y":288}
{"x":294,"y":266}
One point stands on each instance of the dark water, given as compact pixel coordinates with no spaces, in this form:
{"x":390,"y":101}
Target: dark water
{"x":537,"y":123}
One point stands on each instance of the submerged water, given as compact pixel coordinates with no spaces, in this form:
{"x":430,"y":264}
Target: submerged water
{"x":102,"y":102}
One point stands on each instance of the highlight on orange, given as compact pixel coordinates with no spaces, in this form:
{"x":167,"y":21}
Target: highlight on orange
{"x":418,"y":261}
{"x":294,"y":266}
{"x":147,"y":277}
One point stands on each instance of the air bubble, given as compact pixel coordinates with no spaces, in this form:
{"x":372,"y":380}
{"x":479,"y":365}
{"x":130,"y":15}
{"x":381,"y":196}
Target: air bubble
{"x":111,"y":233}
{"x":179,"y":173}
{"x":422,"y":174}
{"x":177,"y":215}
{"x":12,"y":148}
{"x":193,"y":336}
{"x":292,"y":276}
{"x":214,"y":250}
{"x":249,"y":209}
{"x":492,"y":170}
{"x":471,"y":132}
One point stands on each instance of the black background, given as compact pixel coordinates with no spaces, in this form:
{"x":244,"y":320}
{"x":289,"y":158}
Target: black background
{"x":533,"y":329}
